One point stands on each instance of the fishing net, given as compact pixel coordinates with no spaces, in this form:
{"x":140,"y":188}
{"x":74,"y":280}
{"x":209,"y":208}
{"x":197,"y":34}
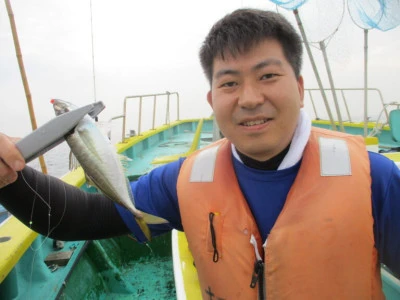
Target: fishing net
{"x":380,"y":14}
{"x":289,"y":4}
{"x":320,"y":20}
{"x":367,"y":14}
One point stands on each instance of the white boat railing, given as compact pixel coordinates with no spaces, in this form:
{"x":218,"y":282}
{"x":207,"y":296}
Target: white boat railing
{"x":344,"y":92}
{"x":156,"y":98}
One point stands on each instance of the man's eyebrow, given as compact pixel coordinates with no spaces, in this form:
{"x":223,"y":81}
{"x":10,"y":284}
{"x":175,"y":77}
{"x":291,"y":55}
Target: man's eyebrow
{"x":266,"y":63}
{"x":223,"y":72}
{"x":260,"y":65}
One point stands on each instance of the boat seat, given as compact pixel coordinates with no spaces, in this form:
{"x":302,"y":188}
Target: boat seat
{"x":394,"y":123}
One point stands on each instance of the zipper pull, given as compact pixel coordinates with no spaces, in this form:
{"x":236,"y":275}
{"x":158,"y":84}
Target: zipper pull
{"x":257,"y":273}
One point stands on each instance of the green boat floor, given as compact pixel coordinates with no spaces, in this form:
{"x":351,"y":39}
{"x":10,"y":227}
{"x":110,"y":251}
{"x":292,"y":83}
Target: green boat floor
{"x":120,"y":268}
{"x":149,"y":278}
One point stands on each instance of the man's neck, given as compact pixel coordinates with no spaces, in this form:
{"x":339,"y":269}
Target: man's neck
{"x":270,"y":164}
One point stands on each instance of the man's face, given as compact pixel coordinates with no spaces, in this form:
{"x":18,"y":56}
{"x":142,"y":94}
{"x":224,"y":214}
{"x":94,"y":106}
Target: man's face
{"x":256,"y":99}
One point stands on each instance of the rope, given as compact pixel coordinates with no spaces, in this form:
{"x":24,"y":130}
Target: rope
{"x":93,"y":66}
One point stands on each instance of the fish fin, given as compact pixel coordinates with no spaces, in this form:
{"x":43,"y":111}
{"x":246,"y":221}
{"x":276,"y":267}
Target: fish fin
{"x":73,"y":161}
{"x":152,"y":219}
{"x":143,"y":226}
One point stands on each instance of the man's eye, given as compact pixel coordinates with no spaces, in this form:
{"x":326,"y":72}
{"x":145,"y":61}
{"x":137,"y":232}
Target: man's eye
{"x":268,"y":76}
{"x":229,"y":84}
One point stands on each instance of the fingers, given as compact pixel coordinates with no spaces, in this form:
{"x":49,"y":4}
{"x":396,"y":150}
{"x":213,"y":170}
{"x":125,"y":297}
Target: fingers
{"x":11,"y":160}
{"x":7,"y":176}
{"x":10,"y":154}
{"x":14,"y":139}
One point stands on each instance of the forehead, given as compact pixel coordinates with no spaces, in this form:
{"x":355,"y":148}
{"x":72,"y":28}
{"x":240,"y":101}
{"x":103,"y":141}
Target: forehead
{"x":268,"y":49}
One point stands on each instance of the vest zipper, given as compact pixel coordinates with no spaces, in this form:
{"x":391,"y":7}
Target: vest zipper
{"x":258,"y":271}
{"x":213,"y":237}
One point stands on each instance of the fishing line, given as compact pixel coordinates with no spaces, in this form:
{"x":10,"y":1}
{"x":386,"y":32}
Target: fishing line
{"x":34,"y":200}
{"x":47,"y":204}
{"x":93,"y":66}
{"x":36,"y":251}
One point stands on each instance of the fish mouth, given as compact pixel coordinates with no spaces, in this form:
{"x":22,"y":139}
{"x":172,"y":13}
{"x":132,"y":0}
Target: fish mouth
{"x":250,"y":123}
{"x":60,"y":107}
{"x":60,"y":110}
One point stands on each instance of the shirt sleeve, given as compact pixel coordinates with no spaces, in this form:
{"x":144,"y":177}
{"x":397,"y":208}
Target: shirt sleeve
{"x":155,"y":193}
{"x":386,"y":210}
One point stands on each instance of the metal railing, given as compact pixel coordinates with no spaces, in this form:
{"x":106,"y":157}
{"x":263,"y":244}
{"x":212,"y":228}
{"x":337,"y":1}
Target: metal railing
{"x":141,"y":98}
{"x":345,"y":102}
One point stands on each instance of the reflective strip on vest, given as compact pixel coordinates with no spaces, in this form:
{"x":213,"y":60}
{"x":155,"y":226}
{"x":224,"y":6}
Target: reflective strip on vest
{"x":335,"y":157}
{"x":204,"y":165}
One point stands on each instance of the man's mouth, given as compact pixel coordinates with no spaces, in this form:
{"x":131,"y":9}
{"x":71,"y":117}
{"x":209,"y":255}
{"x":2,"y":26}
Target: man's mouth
{"x":255,"y":122}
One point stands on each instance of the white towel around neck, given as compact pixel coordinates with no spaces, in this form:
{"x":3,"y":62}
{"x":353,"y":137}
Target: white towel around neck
{"x":299,"y":141}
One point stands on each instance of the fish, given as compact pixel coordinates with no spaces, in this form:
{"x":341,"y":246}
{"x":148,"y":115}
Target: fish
{"x":102,"y":165}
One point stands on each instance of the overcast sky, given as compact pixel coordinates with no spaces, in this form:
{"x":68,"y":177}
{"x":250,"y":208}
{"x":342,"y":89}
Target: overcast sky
{"x":143,"y":47}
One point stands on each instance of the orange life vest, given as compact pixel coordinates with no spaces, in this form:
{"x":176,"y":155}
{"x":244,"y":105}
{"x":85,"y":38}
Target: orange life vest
{"x":322,"y":244}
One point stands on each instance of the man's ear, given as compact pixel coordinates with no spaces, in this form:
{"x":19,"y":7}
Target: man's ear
{"x":209,"y":98}
{"x":300,"y":84}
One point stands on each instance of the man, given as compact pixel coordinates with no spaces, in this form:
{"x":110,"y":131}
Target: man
{"x":275,"y":210}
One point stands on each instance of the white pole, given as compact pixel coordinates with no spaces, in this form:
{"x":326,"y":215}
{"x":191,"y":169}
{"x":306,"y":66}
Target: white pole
{"x":328,"y":70}
{"x":303,"y":34}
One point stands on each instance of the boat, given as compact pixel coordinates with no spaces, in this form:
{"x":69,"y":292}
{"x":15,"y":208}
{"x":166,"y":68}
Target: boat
{"x":118,"y":268}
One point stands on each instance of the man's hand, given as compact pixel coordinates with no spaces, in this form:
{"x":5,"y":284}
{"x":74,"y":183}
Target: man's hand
{"x":11,"y":160}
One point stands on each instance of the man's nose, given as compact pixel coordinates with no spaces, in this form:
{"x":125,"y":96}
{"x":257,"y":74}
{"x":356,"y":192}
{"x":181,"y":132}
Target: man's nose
{"x":250,"y":96}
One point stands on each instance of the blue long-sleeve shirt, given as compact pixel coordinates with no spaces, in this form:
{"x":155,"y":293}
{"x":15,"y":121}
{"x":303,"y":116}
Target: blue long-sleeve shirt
{"x":156,"y":193}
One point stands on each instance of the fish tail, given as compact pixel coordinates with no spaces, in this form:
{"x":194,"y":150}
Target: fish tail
{"x":143,"y":219}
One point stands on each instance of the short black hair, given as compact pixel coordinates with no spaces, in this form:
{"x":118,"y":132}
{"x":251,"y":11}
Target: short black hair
{"x":242,"y":29}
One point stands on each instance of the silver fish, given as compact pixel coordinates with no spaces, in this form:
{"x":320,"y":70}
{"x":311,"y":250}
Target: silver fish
{"x":102,"y":166}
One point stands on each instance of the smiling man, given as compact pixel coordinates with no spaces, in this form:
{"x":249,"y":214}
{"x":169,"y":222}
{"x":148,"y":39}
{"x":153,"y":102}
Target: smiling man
{"x":279,"y":196}
{"x":275,"y":210}
{"x":256,"y":98}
